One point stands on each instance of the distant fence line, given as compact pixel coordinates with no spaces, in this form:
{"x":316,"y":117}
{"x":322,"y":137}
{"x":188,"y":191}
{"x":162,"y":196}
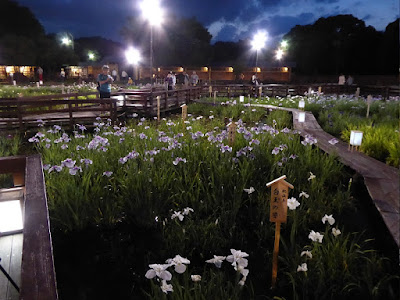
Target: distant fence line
{"x":69,"y":109}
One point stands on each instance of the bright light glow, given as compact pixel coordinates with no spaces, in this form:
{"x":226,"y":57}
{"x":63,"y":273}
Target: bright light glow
{"x":284,"y":44}
{"x":356,"y":137}
{"x":205,"y":69}
{"x":230,"y":69}
{"x":66,"y":41}
{"x":10,"y":216}
{"x":259,"y":40}
{"x":132,"y":56}
{"x":257,"y":70}
{"x":152,"y":12}
{"x":285,"y":69}
{"x":279,"y":54}
{"x":302,"y":116}
{"x":9,"y":69}
{"x":91,"y":55}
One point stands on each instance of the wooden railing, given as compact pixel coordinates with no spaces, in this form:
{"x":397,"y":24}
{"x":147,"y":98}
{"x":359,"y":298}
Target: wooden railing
{"x":146,"y":100}
{"x":283,"y":90}
{"x":68,"y":109}
{"x":59,"y":109}
{"x":38,"y":281}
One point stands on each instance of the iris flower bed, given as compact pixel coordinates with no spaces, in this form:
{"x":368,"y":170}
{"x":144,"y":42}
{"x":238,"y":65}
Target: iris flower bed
{"x":170,"y":210}
{"x":9,"y":91}
{"x":338,"y":115}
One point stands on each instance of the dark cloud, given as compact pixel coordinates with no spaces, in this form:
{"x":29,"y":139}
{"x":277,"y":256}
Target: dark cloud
{"x":367,"y":17}
{"x":226,"y":33}
{"x":107,"y":17}
{"x":326,"y":1}
{"x":208,"y":11}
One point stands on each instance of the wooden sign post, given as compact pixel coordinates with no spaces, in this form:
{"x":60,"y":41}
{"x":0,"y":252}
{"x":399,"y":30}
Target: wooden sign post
{"x":215,"y":96}
{"x":319,"y":90}
{"x":278,"y":214}
{"x":260,"y":91}
{"x":158,"y":108}
{"x":210,"y":90}
{"x":231,"y":133}
{"x":369,"y":101}
{"x":358,"y":92}
{"x":184,"y":112}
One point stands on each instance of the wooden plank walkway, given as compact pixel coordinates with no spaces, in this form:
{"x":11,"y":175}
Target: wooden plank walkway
{"x":381,"y":180}
{"x":11,"y":256}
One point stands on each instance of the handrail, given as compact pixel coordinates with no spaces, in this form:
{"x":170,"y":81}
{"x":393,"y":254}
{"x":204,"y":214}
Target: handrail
{"x":38,"y":281}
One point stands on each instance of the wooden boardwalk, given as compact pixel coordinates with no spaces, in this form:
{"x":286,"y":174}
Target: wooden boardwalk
{"x":11,"y":256}
{"x":381,"y":180}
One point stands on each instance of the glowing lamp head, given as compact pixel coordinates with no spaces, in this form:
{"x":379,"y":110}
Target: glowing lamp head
{"x":91,"y":55}
{"x":132,"y":56}
{"x":66,"y":41}
{"x":356,"y":137}
{"x":279,"y":54}
{"x":151,"y":10}
{"x":259,"y":40}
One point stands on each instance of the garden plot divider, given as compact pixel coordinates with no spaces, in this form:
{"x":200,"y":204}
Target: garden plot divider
{"x":35,"y":274}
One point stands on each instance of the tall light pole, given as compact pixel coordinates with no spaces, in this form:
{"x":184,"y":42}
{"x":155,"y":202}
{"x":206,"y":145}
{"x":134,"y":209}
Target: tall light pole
{"x":258,"y":42}
{"x":153,"y":13}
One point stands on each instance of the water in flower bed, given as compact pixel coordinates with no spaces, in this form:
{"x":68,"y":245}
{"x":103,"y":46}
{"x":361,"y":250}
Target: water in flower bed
{"x":149,"y":210}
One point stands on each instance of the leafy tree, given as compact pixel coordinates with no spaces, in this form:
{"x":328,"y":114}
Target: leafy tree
{"x":390,"y":49}
{"x":338,"y":44}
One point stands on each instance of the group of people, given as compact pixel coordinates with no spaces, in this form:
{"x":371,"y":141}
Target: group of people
{"x":170,"y":80}
{"x":343,"y":80}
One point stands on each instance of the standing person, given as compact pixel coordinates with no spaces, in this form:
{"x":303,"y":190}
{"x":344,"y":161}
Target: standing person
{"x":350,"y":80}
{"x":169,"y":81}
{"x":104,"y":79}
{"x":194,"y":78}
{"x":124,"y":76}
{"x":40,"y":73}
{"x":185,"y":79}
{"x":114,"y":74}
{"x":342,"y":79}
{"x":173,"y":80}
{"x":62,"y":75}
{"x":254,"y":79}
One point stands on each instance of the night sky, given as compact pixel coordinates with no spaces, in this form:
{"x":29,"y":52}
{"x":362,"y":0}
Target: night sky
{"x":226,"y":20}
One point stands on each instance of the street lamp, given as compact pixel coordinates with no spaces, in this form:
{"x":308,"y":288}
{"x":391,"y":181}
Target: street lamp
{"x":133,"y":57}
{"x":258,"y":42}
{"x":67,"y":40}
{"x":91,"y":55}
{"x":279,"y":54}
{"x":153,"y":13}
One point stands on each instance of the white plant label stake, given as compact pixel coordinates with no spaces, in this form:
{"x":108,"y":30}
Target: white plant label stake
{"x":278,"y":214}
